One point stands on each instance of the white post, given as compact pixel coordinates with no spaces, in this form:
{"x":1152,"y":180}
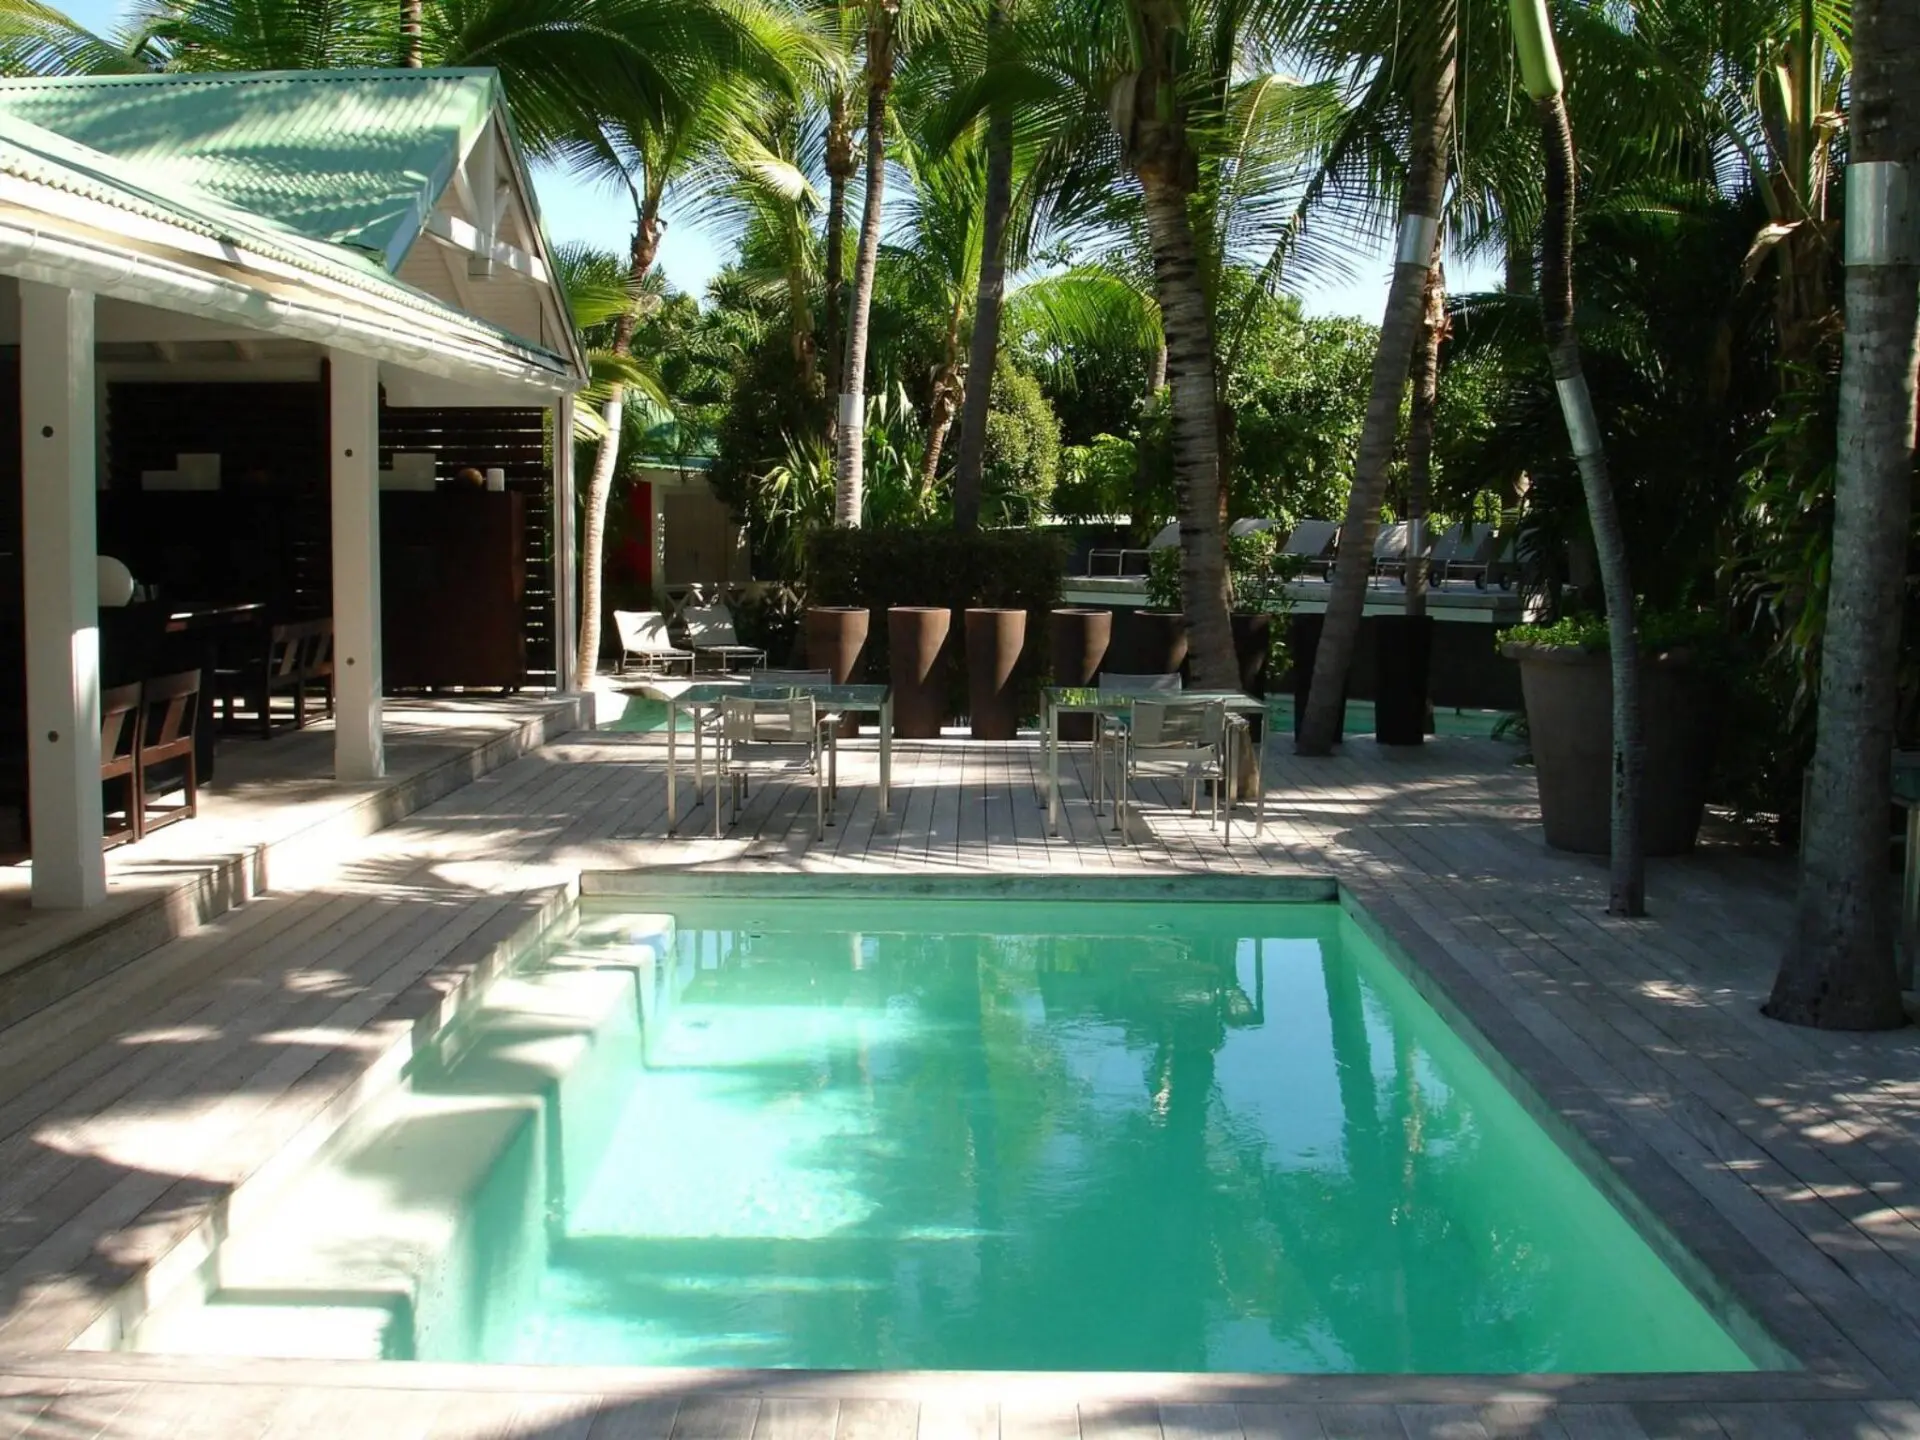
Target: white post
{"x":358,"y":751}
{"x":565,"y":582}
{"x":62,"y":595}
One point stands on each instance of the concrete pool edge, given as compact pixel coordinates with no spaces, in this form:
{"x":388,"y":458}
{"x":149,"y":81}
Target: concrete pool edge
{"x":1636,"y":1176}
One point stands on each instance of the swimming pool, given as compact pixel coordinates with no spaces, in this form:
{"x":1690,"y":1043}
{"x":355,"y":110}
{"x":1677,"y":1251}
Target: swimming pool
{"x":976,"y":1134}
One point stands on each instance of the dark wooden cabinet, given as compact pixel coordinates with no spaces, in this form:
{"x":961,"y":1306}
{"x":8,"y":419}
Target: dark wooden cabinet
{"x":453,"y":578}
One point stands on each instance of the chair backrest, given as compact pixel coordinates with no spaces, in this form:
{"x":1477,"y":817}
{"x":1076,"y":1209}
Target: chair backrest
{"x":318,"y":646}
{"x":1392,"y":541}
{"x":176,"y":700}
{"x":1138,"y":684}
{"x":642,"y":630}
{"x":710,"y":625}
{"x":1441,"y":553}
{"x":1181,"y":724}
{"x":1311,"y":539}
{"x":1478,"y":546}
{"x":746,"y":721}
{"x":793,"y":677}
{"x":119,"y":723}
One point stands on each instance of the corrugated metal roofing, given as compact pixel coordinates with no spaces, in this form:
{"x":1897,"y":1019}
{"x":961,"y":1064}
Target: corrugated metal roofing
{"x":350,"y":157}
{"x":30,"y":153}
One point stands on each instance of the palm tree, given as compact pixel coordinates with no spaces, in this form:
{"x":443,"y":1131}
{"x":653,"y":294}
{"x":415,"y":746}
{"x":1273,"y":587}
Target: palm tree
{"x":882,"y":25}
{"x":983,"y":350}
{"x":1838,"y":970}
{"x":1431,"y":55}
{"x":1540,"y":73}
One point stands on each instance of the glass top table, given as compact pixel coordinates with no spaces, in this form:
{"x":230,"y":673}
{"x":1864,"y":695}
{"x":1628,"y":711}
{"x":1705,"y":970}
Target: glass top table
{"x":701,"y":699}
{"x":1058,"y":700}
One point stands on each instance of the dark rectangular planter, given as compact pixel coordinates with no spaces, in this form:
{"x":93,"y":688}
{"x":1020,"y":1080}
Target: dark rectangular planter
{"x":917,"y":643}
{"x":1402,"y":655}
{"x":1303,"y":639}
{"x":1252,"y":637}
{"x":995,"y":639}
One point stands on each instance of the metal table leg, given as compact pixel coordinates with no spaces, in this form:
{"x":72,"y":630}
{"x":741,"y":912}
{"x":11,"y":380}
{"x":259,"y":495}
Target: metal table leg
{"x":1910,"y":899}
{"x":673,"y":737}
{"x":886,"y":754}
{"x":1053,"y":769}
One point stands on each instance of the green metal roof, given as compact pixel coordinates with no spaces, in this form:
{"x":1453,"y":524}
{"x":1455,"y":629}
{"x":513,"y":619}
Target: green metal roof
{"x":350,"y":157}
{"x":45,"y":158}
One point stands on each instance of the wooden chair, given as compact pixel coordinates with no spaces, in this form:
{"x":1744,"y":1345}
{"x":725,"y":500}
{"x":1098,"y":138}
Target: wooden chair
{"x":120,"y":715}
{"x":297,"y":657}
{"x":169,"y":708}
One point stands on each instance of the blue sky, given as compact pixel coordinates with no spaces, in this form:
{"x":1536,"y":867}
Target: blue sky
{"x":574,"y":211}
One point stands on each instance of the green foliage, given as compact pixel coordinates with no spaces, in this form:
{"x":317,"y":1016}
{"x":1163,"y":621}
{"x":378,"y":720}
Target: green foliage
{"x":1023,"y":449}
{"x":1298,"y":398}
{"x":1096,"y":479}
{"x":1660,"y":631}
{"x":1163,"y":580}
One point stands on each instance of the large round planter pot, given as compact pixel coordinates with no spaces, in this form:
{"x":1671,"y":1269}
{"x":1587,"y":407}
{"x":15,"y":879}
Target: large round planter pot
{"x":1303,"y":640}
{"x":1569,"y":695}
{"x":995,"y":639}
{"x":1159,"y":642}
{"x":1080,"y":640}
{"x":917,"y":642}
{"x":1403,"y":656}
{"x":837,"y":643}
{"x":1252,"y":644}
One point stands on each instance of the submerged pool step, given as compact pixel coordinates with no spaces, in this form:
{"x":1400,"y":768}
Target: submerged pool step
{"x":440,"y":1191}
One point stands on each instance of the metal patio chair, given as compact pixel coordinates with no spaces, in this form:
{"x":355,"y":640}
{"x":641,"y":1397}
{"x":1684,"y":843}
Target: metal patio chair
{"x":773,"y":737}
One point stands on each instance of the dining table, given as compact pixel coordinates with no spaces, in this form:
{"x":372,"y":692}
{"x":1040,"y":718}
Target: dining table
{"x":699,"y":701}
{"x":1117,"y":706}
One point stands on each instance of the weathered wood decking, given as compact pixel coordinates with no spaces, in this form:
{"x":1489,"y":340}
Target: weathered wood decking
{"x":1788,"y":1162}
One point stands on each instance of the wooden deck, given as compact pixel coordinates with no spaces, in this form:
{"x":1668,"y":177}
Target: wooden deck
{"x":1786,"y":1161}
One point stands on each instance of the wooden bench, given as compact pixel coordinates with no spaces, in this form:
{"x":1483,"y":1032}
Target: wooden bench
{"x":297,"y":658}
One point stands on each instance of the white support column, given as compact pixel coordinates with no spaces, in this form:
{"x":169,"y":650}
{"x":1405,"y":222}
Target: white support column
{"x":358,"y":750}
{"x":565,"y":580}
{"x":62,"y":595}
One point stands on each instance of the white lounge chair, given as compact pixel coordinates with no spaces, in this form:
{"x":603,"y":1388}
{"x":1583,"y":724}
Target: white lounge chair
{"x":710,"y":632}
{"x":643,"y":637}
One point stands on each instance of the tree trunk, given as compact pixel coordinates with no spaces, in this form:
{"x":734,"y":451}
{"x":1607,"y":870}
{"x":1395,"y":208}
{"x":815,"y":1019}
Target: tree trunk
{"x":840,"y":169}
{"x":1627,"y":890}
{"x":983,"y":353}
{"x":1426,"y":398}
{"x":949,"y":388}
{"x":1838,"y":971}
{"x":1186,"y":316}
{"x":850,"y":487}
{"x":1144,"y":524}
{"x":411,"y":15}
{"x":1406,"y":303}
{"x":593,"y":529}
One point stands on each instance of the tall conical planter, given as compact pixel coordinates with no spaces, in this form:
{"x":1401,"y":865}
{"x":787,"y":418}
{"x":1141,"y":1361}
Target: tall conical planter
{"x":1158,"y":642}
{"x":995,"y":639}
{"x":1080,"y":642}
{"x":837,"y":643}
{"x":1569,"y":694}
{"x":1403,"y":653}
{"x":916,"y":643}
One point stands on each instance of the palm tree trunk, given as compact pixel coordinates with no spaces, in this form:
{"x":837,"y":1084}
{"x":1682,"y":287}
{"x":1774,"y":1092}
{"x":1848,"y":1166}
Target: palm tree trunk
{"x":983,"y":353}
{"x":840,"y":169}
{"x":1144,"y":524}
{"x":1406,"y":303}
{"x":850,"y":487}
{"x":1426,"y":399}
{"x":1838,"y":972}
{"x":1627,"y":888}
{"x":948,"y":385}
{"x":411,"y":15}
{"x":593,"y":529}
{"x":1186,"y":317}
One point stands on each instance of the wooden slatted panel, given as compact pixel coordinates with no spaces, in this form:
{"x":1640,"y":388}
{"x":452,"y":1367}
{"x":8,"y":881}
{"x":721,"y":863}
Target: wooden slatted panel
{"x":514,"y":441}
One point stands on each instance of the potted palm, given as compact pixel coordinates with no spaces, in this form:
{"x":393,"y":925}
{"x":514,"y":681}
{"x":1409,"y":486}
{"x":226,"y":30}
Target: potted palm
{"x":1566,"y":678}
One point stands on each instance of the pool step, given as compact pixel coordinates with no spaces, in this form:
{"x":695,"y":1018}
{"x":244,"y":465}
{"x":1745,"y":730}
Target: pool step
{"x":438,"y":1194}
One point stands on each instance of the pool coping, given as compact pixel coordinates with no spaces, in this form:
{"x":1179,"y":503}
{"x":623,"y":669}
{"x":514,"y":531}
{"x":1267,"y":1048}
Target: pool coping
{"x":1717,"y":1263}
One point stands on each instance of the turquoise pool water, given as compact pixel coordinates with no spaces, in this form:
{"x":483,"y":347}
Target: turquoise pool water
{"x":993,"y":1135}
